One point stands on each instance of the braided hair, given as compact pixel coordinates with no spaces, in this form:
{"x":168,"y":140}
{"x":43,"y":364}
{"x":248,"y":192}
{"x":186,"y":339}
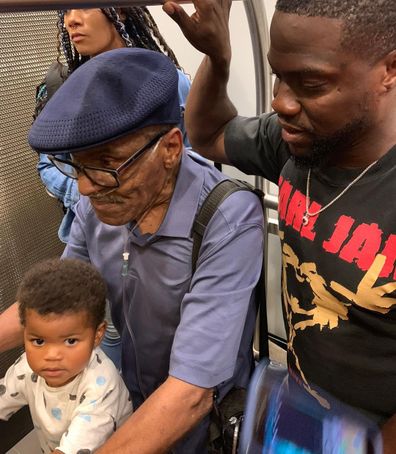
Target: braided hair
{"x":137,"y":30}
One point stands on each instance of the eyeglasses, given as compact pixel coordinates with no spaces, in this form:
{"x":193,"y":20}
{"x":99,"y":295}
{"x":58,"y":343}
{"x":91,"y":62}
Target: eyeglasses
{"x":107,"y":178}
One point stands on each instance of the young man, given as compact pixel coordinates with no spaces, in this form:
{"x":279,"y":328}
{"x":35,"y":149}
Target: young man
{"x":330,"y":146}
{"x":183,"y":334}
{"x":75,"y":394}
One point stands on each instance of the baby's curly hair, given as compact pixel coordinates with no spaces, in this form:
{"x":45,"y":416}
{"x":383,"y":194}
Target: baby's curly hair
{"x":56,"y":286}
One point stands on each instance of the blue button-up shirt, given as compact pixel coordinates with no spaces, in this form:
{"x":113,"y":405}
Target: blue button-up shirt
{"x":196,"y":328}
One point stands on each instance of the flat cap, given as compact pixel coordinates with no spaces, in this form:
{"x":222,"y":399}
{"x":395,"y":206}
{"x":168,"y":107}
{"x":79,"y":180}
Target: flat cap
{"x":113,"y":94}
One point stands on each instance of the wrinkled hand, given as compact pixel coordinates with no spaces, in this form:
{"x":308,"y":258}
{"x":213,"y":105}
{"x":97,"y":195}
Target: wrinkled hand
{"x":207,"y":28}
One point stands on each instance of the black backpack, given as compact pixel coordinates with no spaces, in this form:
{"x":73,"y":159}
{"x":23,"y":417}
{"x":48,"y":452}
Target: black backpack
{"x":56,"y":75}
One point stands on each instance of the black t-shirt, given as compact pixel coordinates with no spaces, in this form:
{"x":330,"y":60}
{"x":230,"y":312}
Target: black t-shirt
{"x":338,"y":272}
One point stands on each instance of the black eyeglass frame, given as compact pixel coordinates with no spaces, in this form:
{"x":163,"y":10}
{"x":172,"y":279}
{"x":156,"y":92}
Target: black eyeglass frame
{"x":114,"y":172}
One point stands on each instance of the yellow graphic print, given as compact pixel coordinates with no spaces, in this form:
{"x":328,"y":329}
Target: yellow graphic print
{"x":368,"y":296}
{"x":327,"y":310}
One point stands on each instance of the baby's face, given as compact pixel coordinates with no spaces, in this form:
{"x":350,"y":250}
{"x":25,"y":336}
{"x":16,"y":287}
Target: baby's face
{"x":58,"y":347}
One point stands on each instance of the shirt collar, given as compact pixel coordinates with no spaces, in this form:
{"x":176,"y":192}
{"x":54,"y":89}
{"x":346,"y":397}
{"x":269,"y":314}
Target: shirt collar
{"x":184,"y":204}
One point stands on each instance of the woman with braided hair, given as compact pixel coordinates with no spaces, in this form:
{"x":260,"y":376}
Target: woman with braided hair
{"x":135,"y":27}
{"x":82,"y":34}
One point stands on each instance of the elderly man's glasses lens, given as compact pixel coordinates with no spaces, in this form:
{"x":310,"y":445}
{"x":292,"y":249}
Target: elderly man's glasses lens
{"x":107,"y":178}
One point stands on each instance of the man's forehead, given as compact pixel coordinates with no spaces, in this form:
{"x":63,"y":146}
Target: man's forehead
{"x":311,"y":45}
{"x":292,"y":33}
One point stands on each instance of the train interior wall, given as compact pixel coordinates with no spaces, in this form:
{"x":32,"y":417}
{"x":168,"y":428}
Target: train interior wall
{"x":29,"y":218}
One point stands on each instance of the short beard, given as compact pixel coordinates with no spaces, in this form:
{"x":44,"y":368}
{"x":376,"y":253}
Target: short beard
{"x":324,"y":148}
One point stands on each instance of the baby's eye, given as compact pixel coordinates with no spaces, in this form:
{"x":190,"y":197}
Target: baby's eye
{"x":71,"y":341}
{"x":37,"y":342}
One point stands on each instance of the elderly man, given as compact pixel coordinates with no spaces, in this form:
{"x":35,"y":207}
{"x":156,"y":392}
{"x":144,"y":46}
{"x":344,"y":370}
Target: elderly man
{"x":330,"y":146}
{"x":184,"y":334}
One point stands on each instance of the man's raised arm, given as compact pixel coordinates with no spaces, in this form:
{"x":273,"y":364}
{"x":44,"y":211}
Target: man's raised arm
{"x":208,"y":108}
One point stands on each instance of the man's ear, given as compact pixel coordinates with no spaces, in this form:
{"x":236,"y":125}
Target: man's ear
{"x":100,"y":332}
{"x":389,"y":80}
{"x":173,"y":146}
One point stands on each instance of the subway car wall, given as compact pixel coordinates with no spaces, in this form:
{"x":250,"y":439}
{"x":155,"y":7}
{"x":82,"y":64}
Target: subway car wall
{"x":29,"y":218}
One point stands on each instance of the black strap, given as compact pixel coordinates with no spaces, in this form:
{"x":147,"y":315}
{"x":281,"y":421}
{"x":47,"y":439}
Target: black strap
{"x":213,"y":200}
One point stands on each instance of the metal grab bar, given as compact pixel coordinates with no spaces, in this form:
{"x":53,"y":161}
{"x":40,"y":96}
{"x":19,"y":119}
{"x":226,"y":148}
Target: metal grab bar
{"x":259,"y":33}
{"x":271,"y":201}
{"x":7,"y":6}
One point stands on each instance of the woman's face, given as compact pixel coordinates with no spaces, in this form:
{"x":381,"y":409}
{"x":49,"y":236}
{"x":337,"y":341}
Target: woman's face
{"x":91,"y":32}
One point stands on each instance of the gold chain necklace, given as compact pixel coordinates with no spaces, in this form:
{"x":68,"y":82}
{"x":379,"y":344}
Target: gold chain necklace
{"x":307,"y":214}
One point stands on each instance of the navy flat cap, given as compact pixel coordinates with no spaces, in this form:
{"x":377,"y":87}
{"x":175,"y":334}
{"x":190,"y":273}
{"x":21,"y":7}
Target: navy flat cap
{"x":111,"y":95}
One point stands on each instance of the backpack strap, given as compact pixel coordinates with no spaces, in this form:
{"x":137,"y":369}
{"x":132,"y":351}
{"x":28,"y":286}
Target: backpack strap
{"x":213,"y":200}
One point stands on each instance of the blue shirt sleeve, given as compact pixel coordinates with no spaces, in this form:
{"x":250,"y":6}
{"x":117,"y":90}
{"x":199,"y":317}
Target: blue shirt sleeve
{"x":217,"y":314}
{"x":58,"y":185}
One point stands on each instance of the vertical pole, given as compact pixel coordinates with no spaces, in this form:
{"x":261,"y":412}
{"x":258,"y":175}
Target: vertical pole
{"x":259,"y":33}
